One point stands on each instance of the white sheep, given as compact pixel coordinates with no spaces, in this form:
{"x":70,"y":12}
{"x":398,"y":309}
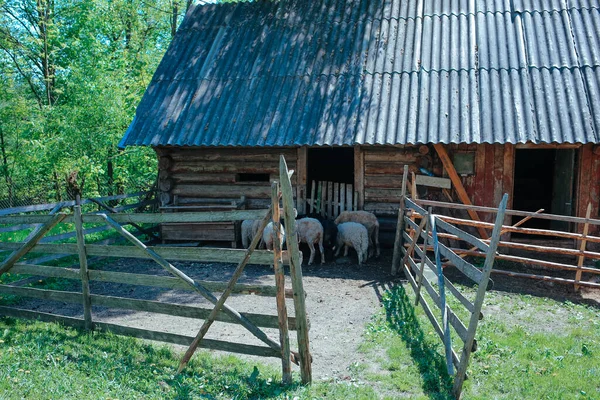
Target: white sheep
{"x":249,"y":230}
{"x":355,"y":235}
{"x":267,"y":236}
{"x":310,"y":231}
{"x":368,"y":220}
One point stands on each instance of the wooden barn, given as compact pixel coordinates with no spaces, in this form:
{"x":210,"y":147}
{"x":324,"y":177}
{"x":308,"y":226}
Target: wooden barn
{"x":482,"y":98}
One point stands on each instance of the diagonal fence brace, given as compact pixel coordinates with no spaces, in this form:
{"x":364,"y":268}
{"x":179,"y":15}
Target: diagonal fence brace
{"x":221,"y":302}
{"x":31,"y":242}
{"x":195,"y":285}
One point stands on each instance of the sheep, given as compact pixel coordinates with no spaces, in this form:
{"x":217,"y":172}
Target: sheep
{"x":329,"y":228}
{"x":310,"y":231}
{"x":368,"y":220}
{"x":249,"y":230}
{"x":267,"y":236}
{"x":355,"y":235}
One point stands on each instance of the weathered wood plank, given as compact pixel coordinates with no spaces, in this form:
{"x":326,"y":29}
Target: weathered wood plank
{"x":465,"y":302}
{"x":428,"y":312}
{"x":263,"y":257}
{"x":220,"y":303}
{"x":180,"y":310}
{"x":296,"y":274}
{"x":467,"y":237}
{"x":140,"y":333}
{"x":166,"y":282}
{"x":399,"y":239}
{"x":284,"y":337}
{"x":83,"y":267}
{"x":458,"y":186}
{"x":359,"y":176}
{"x":199,"y":288}
{"x":253,"y":190}
{"x":433,"y":181}
{"x":150,"y":218}
{"x":31,"y":242}
{"x":454,"y":320}
{"x":584,"y":234}
{"x":481,"y":290}
{"x":382,"y":181}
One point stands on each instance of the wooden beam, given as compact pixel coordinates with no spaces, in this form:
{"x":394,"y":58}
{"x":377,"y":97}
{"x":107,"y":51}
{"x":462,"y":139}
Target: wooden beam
{"x":83,"y":266}
{"x":30,"y":244}
{"x":284,"y":337}
{"x":296,"y":273}
{"x":221,"y":303}
{"x":195,"y":285}
{"x":581,"y":258}
{"x":433,"y":181}
{"x":461,"y":371}
{"x":458,"y":186}
{"x":359,"y":176}
{"x":398,"y":241}
{"x":301,"y":167}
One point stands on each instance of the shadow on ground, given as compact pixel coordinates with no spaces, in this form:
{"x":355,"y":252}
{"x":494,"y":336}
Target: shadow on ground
{"x":401,"y":317}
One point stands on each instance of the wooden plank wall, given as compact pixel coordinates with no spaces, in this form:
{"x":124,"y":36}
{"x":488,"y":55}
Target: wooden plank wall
{"x":383,"y":168}
{"x":588,"y":182}
{"x":494,"y":173}
{"x":206,"y":173}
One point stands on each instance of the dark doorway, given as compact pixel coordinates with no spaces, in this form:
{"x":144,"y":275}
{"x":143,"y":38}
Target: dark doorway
{"x":544,"y":179}
{"x":331,"y":164}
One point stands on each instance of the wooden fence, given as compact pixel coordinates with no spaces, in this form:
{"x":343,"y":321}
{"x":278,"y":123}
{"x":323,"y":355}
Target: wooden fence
{"x":542,"y":257}
{"x":424,"y":272}
{"x":331,"y":198}
{"x":163,"y":255}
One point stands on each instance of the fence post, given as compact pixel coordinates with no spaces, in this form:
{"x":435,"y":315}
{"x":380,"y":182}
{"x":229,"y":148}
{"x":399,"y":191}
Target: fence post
{"x":295,"y":273}
{"x":83,"y":266}
{"x":584,"y":234}
{"x":284,"y":338}
{"x":399,"y":241}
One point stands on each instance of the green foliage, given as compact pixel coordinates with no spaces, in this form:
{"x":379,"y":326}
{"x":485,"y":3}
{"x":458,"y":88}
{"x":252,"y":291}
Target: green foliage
{"x":71,"y":75}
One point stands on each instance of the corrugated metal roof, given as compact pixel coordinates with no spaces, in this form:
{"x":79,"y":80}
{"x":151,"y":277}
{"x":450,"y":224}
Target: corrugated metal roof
{"x":344,"y":72}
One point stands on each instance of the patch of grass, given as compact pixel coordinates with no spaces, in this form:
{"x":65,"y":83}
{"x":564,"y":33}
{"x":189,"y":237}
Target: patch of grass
{"x":528,"y":348}
{"x":47,"y":361}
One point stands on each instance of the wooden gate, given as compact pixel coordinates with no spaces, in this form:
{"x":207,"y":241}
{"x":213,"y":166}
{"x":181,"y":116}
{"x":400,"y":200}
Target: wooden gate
{"x":422,"y":271}
{"x":331,"y":198}
{"x":163,"y":256}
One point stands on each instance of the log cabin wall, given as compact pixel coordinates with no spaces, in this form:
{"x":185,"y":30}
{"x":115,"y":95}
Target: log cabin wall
{"x":217,"y":173}
{"x":494,"y":173}
{"x":588,"y":183}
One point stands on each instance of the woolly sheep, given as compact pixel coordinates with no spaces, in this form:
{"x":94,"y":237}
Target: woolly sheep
{"x":249,"y":230}
{"x":310,"y":231}
{"x":355,"y":235}
{"x":368,"y":220}
{"x":267,"y":236}
{"x":329,"y":228}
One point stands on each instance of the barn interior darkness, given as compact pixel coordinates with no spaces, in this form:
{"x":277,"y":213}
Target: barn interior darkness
{"x":332,"y":164}
{"x":544,"y":178}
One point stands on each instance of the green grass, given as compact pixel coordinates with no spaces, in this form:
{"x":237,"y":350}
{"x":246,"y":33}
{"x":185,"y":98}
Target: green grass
{"x":47,"y":361}
{"x":528,"y":348}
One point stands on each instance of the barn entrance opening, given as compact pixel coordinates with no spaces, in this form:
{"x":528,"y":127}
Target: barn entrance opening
{"x":330,"y":180}
{"x":335,"y":164}
{"x":545,"y":178}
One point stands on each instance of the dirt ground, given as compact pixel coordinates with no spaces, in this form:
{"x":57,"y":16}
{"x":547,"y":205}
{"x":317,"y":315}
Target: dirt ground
{"x":341,"y":299}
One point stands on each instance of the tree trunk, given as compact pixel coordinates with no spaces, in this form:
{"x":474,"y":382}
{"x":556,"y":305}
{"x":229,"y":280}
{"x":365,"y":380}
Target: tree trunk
{"x":6,"y":170}
{"x":174,"y":19}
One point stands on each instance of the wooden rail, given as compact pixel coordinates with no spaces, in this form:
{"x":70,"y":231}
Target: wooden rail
{"x":114,"y":218}
{"x":413,"y":241}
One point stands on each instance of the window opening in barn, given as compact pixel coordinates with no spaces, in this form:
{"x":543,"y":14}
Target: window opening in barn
{"x":545,"y":178}
{"x":333,"y":169}
{"x":252,"y":178}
